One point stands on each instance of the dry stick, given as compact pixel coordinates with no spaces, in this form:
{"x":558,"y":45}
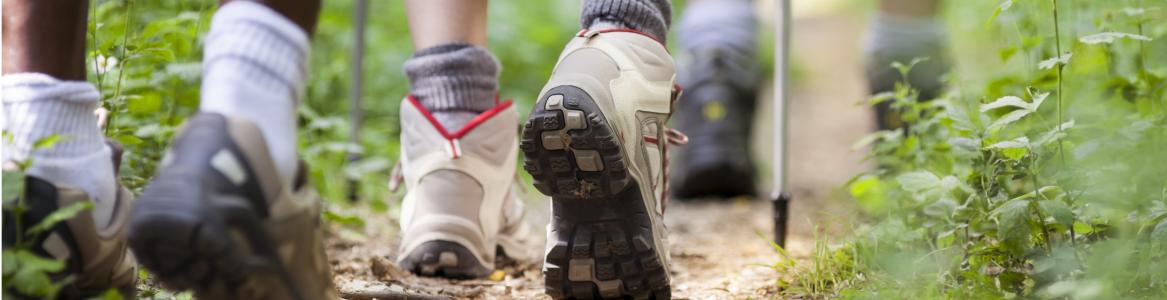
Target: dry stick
{"x":387,"y":294}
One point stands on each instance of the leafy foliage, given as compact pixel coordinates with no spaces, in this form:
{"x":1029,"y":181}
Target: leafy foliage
{"x":1015,"y":197}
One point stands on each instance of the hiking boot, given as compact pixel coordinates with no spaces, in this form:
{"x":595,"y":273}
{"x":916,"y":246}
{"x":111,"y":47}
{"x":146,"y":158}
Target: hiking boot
{"x":716,"y":111}
{"x":217,"y":219}
{"x":918,"y":43}
{"x":460,"y":214}
{"x":92,"y":244}
{"x":596,"y":142}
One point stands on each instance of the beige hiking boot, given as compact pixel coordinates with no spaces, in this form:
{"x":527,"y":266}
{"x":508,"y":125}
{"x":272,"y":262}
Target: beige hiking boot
{"x":92,"y":244}
{"x":216,"y":219}
{"x":460,"y":214}
{"x":596,"y":142}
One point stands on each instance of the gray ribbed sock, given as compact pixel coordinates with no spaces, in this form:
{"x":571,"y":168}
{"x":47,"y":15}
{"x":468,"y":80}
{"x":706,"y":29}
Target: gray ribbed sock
{"x":455,"y":81}
{"x":721,"y":30}
{"x":649,"y":16}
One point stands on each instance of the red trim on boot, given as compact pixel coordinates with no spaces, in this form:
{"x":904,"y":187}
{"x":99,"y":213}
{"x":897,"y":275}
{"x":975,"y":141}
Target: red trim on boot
{"x":453,"y":137}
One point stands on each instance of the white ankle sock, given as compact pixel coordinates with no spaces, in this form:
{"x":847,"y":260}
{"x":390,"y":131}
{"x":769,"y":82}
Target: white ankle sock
{"x":255,"y":66}
{"x":37,"y":106}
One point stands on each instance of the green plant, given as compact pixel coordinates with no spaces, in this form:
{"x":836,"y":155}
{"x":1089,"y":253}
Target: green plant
{"x":993,"y":193}
{"x":25,"y":272}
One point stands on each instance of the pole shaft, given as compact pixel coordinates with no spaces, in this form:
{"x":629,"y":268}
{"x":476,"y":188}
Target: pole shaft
{"x":356,"y":109}
{"x":780,"y":194}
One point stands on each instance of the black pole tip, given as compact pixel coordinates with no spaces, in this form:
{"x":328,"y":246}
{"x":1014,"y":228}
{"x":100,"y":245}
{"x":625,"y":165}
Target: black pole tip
{"x":781,"y":217}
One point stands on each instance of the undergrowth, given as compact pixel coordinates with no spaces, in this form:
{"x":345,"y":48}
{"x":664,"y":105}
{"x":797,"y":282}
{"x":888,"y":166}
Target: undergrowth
{"x":1040,"y":175}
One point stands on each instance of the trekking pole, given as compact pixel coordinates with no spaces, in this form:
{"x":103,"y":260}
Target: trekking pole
{"x":780,"y":193}
{"x":355,"y":113}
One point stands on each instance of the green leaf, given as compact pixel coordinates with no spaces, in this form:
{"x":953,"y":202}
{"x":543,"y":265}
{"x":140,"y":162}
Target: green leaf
{"x":1059,"y":211}
{"x":1160,"y":231}
{"x":918,"y":181}
{"x":941,"y":208}
{"x":1014,"y":149}
{"x":881,"y":98}
{"x":10,"y":262}
{"x":128,"y":140}
{"x":1133,"y":11}
{"x":1021,"y":142}
{"x":353,"y":221}
{"x":59,"y":215}
{"x":29,"y":260}
{"x":1110,"y":37}
{"x":1052,"y":62}
{"x":1055,"y":134}
{"x":1006,"y":101}
{"x":145,"y":103}
{"x":13,"y":185}
{"x":945,"y":239}
{"x":32,"y":282}
{"x":112,"y":294}
{"x":47,"y":142}
{"x":1009,"y":118}
{"x":30,"y":276}
{"x":869,"y":192}
{"x":1005,"y":5}
{"x":1013,"y":224}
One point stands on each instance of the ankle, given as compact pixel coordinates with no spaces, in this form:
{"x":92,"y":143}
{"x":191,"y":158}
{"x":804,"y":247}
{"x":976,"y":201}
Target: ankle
{"x":455,"y":82}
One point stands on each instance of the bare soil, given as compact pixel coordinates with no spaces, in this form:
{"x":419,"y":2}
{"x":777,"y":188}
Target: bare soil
{"x":719,"y":249}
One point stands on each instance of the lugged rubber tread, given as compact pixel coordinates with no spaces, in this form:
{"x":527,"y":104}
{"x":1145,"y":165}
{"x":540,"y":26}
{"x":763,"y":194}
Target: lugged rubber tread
{"x":602,"y":237}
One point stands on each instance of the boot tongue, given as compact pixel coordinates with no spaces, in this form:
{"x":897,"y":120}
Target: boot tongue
{"x":454,"y":120}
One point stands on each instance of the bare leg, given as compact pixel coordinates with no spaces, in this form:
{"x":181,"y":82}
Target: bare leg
{"x":302,"y":12}
{"x":437,"y":22}
{"x":45,"y":36}
{"x":451,"y":72}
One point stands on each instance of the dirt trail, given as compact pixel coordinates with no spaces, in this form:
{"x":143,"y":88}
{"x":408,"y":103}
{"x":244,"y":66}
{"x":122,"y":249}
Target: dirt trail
{"x":717,"y":248}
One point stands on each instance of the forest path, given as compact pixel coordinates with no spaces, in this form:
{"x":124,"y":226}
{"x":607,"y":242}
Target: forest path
{"x":719,"y":250}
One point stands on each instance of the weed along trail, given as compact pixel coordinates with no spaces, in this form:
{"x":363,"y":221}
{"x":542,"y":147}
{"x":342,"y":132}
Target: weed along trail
{"x":720,"y":250}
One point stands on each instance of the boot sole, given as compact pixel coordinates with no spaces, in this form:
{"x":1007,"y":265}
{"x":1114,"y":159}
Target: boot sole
{"x":602,"y":244}
{"x":444,"y":259}
{"x":194,"y":243}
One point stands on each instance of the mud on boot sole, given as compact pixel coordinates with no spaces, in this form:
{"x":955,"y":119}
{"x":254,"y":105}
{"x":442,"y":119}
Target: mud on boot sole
{"x":602,"y":238}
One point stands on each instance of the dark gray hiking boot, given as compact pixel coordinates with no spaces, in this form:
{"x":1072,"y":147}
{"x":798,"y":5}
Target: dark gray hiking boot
{"x":92,"y":244}
{"x":898,"y":39}
{"x":217,"y":219}
{"x":715,"y":111}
